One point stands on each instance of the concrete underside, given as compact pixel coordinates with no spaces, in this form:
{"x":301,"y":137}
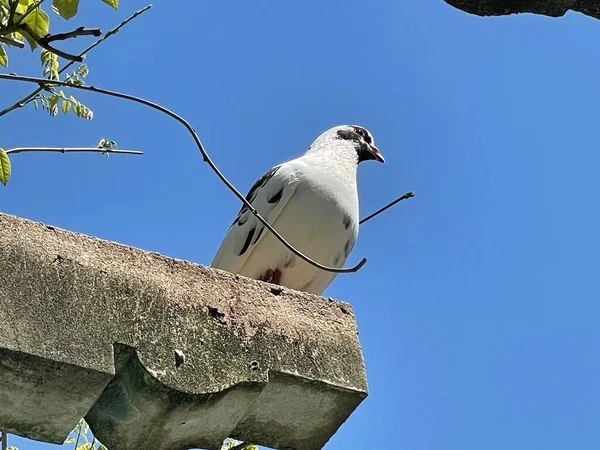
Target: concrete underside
{"x":90,"y":327}
{"x":552,"y":8}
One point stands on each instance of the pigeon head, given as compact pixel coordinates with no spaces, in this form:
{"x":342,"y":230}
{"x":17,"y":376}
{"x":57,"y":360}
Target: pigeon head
{"x":356,"y":139}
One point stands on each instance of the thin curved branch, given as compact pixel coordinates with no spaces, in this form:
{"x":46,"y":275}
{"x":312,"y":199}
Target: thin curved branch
{"x":389,"y":205}
{"x":74,"y":150}
{"x":50,"y":83}
{"x":29,"y":97}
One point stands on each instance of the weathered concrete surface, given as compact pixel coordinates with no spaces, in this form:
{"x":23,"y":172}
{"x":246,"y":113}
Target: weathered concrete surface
{"x":553,"y":8}
{"x":89,"y":328}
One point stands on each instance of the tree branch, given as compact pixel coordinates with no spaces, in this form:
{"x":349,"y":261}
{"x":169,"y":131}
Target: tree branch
{"x":12,"y":42}
{"x":81,"y":31}
{"x":188,"y":126}
{"x":29,"y":97}
{"x":74,"y":150}
{"x":389,"y":205}
{"x":42,"y":43}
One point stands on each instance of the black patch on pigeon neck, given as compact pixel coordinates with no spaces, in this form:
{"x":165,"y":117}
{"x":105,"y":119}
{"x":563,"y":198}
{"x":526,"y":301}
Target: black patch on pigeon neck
{"x":362,"y":147}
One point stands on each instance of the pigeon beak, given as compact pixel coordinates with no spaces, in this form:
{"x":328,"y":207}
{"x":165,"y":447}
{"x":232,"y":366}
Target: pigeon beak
{"x":376,"y":155}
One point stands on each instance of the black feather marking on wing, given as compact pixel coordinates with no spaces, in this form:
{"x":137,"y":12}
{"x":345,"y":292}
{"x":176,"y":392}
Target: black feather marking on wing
{"x":347,"y":221}
{"x":243,"y":217}
{"x":257,"y":237}
{"x":251,"y":195}
{"x":247,"y":241}
{"x":348,"y":247}
{"x":291,"y":262}
{"x":276,"y":197}
{"x":260,"y":183}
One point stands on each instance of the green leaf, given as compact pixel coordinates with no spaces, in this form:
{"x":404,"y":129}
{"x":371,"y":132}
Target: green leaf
{"x":3,"y":57}
{"x":85,"y":446}
{"x":65,"y":106}
{"x":4,"y":167}
{"x":65,"y":8}
{"x":38,"y":23}
{"x":113,"y":3}
{"x":52,"y":105}
{"x":23,"y":6}
{"x":29,"y":39}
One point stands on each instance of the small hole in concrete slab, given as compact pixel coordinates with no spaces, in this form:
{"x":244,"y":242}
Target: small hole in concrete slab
{"x":254,"y":365}
{"x":276,"y":290}
{"x":345,"y":311}
{"x":179,"y":358}
{"x":216,"y":314}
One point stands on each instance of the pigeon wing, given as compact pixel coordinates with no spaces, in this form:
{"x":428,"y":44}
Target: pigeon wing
{"x":268,"y":195}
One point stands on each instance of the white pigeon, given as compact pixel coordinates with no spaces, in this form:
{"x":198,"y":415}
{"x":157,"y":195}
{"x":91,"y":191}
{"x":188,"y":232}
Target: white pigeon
{"x":312,"y":201}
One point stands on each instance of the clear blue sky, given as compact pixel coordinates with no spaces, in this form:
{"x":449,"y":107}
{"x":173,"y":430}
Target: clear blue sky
{"x":478,"y":309}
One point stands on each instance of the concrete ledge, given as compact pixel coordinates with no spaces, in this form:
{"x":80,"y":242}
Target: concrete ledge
{"x":90,"y":328}
{"x":552,"y":8}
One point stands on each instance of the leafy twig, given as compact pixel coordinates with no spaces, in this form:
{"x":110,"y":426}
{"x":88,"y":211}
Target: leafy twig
{"x":389,"y":205}
{"x":188,"y":126}
{"x":29,"y":97}
{"x":74,"y":150}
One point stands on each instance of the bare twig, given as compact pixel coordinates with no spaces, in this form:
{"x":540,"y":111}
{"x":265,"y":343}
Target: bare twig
{"x":29,"y":97}
{"x":74,"y":150}
{"x":4,"y":440}
{"x":188,"y":126}
{"x":42,"y":43}
{"x":389,"y":205}
{"x":241,"y":446}
{"x":81,"y":31}
{"x":12,"y":42}
{"x":80,"y":428}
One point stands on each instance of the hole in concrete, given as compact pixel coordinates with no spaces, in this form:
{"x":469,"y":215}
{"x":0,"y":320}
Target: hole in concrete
{"x":254,"y":365}
{"x":345,"y":311}
{"x":216,"y":314}
{"x":276,"y":290}
{"x":179,"y":357}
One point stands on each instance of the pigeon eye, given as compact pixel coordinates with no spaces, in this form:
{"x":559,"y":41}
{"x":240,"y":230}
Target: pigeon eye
{"x":362,"y":133}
